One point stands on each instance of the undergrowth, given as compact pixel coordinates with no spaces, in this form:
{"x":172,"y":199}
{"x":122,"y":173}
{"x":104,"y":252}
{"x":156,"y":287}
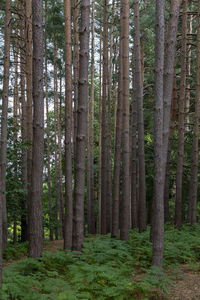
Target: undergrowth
{"x":105,"y":269}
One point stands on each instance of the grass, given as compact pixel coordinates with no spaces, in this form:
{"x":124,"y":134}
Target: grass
{"x":105,"y":269}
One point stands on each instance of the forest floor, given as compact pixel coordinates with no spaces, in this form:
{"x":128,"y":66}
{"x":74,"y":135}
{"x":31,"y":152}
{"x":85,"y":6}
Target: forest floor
{"x":106,"y":269}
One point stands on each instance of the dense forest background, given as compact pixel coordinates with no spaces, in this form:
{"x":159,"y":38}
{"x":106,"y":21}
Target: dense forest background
{"x":99,"y":122}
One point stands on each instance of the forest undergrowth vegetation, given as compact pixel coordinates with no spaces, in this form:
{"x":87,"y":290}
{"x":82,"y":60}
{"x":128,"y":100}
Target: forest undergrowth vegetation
{"x":105,"y":269}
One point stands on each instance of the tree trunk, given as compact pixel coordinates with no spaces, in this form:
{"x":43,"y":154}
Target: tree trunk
{"x":134,"y":205}
{"x":118,"y":137}
{"x":68,"y":129}
{"x":195,"y":146}
{"x":125,"y":215}
{"x":36,"y":229}
{"x":158,"y":203}
{"x":140,"y":121}
{"x":75,"y":64}
{"x":29,"y":58}
{"x":181,"y":127}
{"x":48,"y":136}
{"x":104,"y":127}
{"x":91,"y":200}
{"x":24,"y":225}
{"x":100,"y":124}
{"x":55,"y":137}
{"x":78,"y":225}
{"x":3,"y":140}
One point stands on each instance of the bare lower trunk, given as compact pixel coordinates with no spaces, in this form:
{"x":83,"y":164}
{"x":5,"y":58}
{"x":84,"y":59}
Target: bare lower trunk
{"x":36,"y":228}
{"x":78,"y":224}
{"x":125,"y":215}
{"x":158,"y":203}
{"x":68,"y":129}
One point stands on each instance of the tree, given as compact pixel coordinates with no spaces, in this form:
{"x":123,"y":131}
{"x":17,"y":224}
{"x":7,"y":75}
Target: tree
{"x":78,"y":224}
{"x":158,"y":202}
{"x":68,"y":129}
{"x":35,"y":217}
{"x":3,"y":146}
{"x":125,"y":215}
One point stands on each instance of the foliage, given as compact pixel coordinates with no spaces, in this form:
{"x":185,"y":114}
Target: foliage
{"x":105,"y":269}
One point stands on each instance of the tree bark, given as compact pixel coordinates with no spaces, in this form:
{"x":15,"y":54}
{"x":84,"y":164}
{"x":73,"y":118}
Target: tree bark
{"x":125,"y":215}
{"x":78,"y":224}
{"x":68,"y":129}
{"x":140,"y":121}
{"x":181,"y":126}
{"x":36,"y":229}
{"x":48,"y":136}
{"x":91,"y":200}
{"x":104,"y":125}
{"x":158,"y":202}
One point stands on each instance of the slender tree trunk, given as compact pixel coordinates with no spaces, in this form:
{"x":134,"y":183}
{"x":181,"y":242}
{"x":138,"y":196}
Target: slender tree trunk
{"x":115,"y":89}
{"x":91,"y":200}
{"x":134,"y":205}
{"x":158,"y":203}
{"x":195,"y":146}
{"x":36,"y":228}
{"x":125,"y":215}
{"x":3,"y":140}
{"x":68,"y":129}
{"x":55,"y":137}
{"x":60,"y":164}
{"x":48,"y":136}
{"x":140,"y":119}
{"x":24,"y":225}
{"x":78,"y":225}
{"x":29,"y":58}
{"x":118,"y":137}
{"x":75,"y":64}
{"x":100,"y":124}
{"x":104,"y":125}
{"x":181,"y":127}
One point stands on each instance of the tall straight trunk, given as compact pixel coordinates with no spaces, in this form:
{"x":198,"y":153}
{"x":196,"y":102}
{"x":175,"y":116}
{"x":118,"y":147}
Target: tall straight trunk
{"x":189,"y":73}
{"x":195,"y":146}
{"x":3,"y":140}
{"x":109,"y":162}
{"x":55,"y":137}
{"x":104,"y":125}
{"x":68,"y":129}
{"x":169,"y":77}
{"x":158,"y":203}
{"x":134,"y":204}
{"x":75,"y":64}
{"x":125,"y":215}
{"x":100,"y":116}
{"x":36,"y":228}
{"x":60,"y":183}
{"x":91,"y":203}
{"x":29,"y":58}
{"x":24,"y":225}
{"x":171,"y":134}
{"x":118,"y":137}
{"x":181,"y":127}
{"x":15,"y":123}
{"x":115,"y":89}
{"x":48,"y":136}
{"x":140,"y":120}
{"x":78,"y":225}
